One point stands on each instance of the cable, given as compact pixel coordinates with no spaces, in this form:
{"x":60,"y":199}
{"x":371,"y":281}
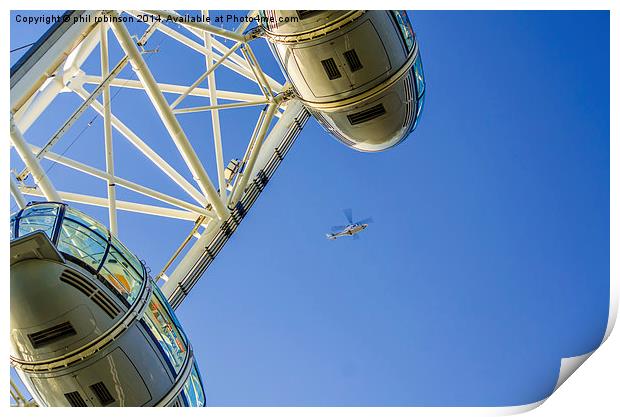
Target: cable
{"x":89,"y":124}
{"x":163,"y":39}
{"x":21,"y":47}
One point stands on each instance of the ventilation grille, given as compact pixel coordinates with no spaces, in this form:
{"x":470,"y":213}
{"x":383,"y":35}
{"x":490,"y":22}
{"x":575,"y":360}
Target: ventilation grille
{"x":90,"y":290}
{"x":102,"y":393}
{"x":329,"y":65}
{"x":409,"y":98}
{"x":366,"y":115}
{"x":106,"y":304}
{"x":307,"y":14}
{"x":76,"y":280}
{"x":353,"y":60}
{"x":51,"y":334}
{"x":75,"y":399}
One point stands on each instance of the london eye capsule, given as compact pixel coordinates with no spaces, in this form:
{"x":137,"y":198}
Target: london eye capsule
{"x":358,"y":72}
{"x":89,"y":327}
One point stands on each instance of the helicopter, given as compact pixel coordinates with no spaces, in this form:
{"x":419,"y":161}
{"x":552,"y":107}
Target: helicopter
{"x":351,"y":229}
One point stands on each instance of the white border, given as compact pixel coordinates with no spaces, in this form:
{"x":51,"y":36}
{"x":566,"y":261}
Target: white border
{"x":590,"y":392}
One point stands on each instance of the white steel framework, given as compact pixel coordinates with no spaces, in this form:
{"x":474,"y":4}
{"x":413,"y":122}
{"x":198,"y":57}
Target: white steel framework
{"x":56,"y":67}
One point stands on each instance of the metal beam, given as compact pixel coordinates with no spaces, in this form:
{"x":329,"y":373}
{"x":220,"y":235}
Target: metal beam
{"x":207,"y":73}
{"x":205,"y":27}
{"x":239,"y":60}
{"x":192,"y":44}
{"x":234,"y":62}
{"x":174,"y":89}
{"x":77,"y":113}
{"x":241,"y":63}
{"x":147,"y":151}
{"x":120,"y":204}
{"x":29,"y":112}
{"x":193,"y":233}
{"x":39,"y":176}
{"x":246,"y":155}
{"x":189,"y":259}
{"x":18,"y":397}
{"x":219,"y":107}
{"x":247,"y":169}
{"x":215,"y":115}
{"x":86,"y":169}
{"x":167,"y":117}
{"x":17,"y":194}
{"x":41,"y":98}
{"x":45,"y":61}
{"x":197,"y":258}
{"x":107,"y":133}
{"x":243,"y":25}
{"x":257,"y":71}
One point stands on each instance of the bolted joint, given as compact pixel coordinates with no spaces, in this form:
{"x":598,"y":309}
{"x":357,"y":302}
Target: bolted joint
{"x":257,"y":32}
{"x":286,"y":95}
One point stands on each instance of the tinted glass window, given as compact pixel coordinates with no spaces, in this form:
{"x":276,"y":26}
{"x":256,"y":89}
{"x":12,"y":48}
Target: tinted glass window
{"x":165,"y":331}
{"x":88,"y":221}
{"x":131,"y":258}
{"x":38,"y":217}
{"x":82,"y":243}
{"x":118,"y":272}
{"x":164,"y":302}
{"x":13,"y":226}
{"x":405,"y":28}
{"x":419,"y":112}
{"x":193,"y":390}
{"x":419,"y":75}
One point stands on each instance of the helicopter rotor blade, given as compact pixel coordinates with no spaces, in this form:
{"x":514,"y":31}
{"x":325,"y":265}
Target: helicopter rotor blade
{"x":349,"y":214}
{"x":356,"y":237}
{"x":366,"y":220}
{"x":338,"y":228}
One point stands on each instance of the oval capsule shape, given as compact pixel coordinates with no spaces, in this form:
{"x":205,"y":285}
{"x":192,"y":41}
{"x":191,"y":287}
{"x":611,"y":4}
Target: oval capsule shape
{"x":358,"y":72}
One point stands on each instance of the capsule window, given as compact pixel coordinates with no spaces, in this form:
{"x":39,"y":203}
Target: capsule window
{"x":366,"y":115}
{"x":82,"y":243}
{"x":406,"y":30}
{"x":331,"y":69}
{"x":165,"y":331}
{"x":119,"y":273}
{"x":419,"y":75}
{"x":353,"y":60}
{"x":38,"y":217}
{"x":193,"y":390}
{"x":86,"y":220}
{"x":133,"y":260}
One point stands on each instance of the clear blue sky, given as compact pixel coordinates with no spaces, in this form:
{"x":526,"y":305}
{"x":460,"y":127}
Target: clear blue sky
{"x":488,"y":260}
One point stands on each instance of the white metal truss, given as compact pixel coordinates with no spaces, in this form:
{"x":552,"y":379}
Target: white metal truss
{"x":56,"y":67}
